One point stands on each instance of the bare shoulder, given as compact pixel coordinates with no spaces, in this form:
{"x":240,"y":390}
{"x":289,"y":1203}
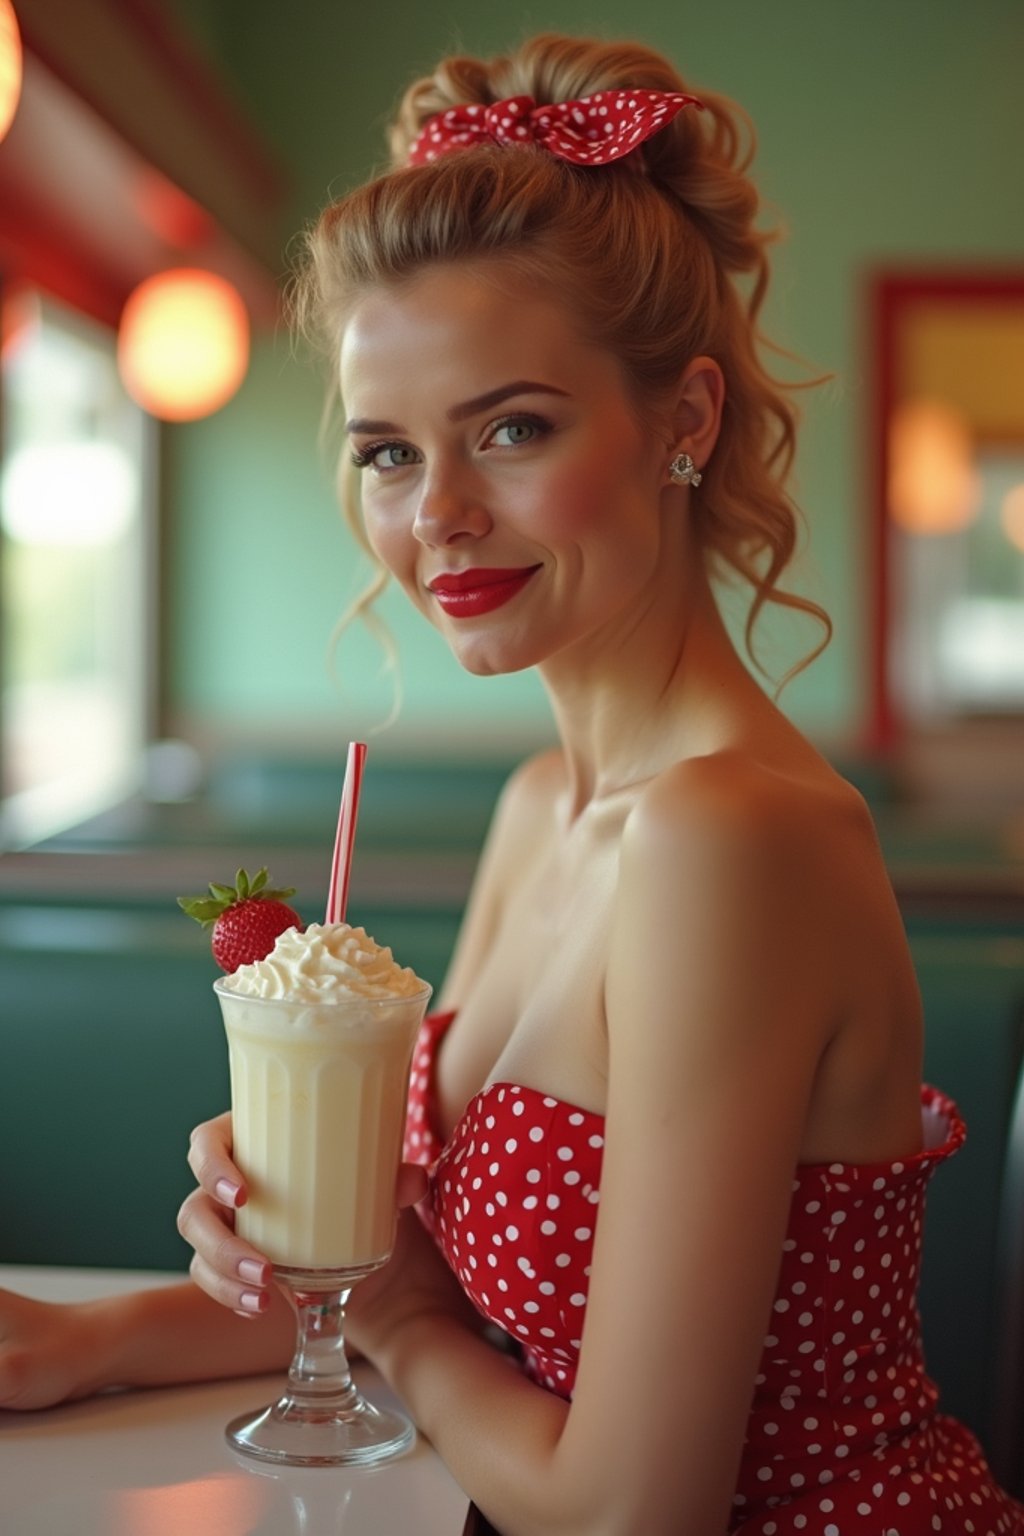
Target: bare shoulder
{"x":537,"y":778}
{"x":527,"y":801}
{"x":519,"y":825}
{"x":730,"y":810}
{"x":746,"y":888}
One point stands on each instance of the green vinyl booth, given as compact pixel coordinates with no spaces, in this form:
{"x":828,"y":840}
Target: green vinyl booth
{"x":114,"y":1049}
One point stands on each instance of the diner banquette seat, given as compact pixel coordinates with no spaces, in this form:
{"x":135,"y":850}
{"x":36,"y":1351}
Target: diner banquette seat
{"x":112,"y":1044}
{"x":113,"y":1049}
{"x":1007,"y":1433}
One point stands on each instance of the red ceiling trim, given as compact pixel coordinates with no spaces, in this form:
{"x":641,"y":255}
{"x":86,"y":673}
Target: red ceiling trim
{"x":193,"y":79}
{"x":38,"y":249}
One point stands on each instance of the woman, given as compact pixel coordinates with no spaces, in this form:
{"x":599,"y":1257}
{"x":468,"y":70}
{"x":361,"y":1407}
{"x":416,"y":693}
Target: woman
{"x":670,"y":1109}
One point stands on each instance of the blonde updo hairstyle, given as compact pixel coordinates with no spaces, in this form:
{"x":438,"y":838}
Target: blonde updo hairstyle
{"x":645,"y":252}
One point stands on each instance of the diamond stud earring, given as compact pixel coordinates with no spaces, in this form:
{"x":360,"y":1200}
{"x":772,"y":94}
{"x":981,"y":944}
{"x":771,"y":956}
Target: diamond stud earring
{"x":684,"y":471}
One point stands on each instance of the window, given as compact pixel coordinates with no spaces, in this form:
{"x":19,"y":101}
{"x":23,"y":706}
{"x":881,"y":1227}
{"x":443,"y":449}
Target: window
{"x":76,"y":574}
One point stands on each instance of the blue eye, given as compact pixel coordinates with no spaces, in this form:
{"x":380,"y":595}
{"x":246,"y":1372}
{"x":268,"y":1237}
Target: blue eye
{"x":518,"y":430}
{"x":384,"y":456}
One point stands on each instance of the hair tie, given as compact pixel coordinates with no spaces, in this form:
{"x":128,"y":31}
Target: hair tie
{"x":595,"y":130}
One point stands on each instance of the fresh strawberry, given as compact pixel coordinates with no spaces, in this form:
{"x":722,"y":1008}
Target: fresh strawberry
{"x":246,"y":918}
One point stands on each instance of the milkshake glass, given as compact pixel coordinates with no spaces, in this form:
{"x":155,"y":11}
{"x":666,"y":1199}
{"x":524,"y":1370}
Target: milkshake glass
{"x":320,"y":1040}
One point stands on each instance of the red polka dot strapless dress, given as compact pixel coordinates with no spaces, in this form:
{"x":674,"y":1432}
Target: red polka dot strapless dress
{"x":844,"y":1437}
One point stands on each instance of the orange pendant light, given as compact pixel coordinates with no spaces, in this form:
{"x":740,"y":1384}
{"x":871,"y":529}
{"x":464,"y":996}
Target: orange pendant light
{"x":934,"y":487}
{"x":10,"y":65}
{"x":183,"y":344}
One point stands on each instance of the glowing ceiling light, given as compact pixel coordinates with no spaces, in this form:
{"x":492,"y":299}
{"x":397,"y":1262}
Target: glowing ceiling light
{"x":183,"y":344}
{"x":10,"y":65}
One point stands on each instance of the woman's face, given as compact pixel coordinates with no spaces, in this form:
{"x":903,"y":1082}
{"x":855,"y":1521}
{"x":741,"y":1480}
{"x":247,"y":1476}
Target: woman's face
{"x":506,"y":482}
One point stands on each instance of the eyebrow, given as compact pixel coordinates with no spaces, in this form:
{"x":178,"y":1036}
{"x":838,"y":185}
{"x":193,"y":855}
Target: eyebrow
{"x":467,"y":408}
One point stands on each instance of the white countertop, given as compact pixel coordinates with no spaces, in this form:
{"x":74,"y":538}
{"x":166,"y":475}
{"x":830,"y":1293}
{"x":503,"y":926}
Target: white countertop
{"x":155,"y":1463}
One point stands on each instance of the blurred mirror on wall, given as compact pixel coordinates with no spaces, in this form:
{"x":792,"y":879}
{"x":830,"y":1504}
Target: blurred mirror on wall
{"x":951,"y":427}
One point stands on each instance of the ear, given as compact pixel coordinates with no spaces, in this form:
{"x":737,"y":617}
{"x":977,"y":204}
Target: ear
{"x":697,"y":413}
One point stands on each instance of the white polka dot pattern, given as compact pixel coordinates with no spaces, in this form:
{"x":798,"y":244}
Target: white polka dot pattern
{"x":595,"y":130}
{"x":843,"y":1437}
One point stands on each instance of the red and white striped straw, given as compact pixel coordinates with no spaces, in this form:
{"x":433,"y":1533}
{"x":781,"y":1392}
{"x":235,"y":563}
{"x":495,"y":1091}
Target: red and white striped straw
{"x":337,"y":896}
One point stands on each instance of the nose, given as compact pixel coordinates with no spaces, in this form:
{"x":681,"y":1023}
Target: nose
{"x":451,"y":508}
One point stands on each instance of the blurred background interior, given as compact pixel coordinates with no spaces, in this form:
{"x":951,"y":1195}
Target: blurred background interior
{"x":173,"y":564}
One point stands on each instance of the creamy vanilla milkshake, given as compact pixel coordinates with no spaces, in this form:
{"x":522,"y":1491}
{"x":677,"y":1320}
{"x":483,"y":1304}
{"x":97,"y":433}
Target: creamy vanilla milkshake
{"x":320,"y":1038}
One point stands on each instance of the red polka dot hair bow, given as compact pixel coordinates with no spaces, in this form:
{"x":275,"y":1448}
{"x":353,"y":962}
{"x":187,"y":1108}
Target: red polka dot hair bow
{"x":595,"y":130}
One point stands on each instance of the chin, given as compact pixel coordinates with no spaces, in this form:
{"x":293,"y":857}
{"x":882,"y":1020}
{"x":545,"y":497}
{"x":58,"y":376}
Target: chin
{"x":482,"y":666}
{"x":487,"y":651}
{"x":483,"y":661}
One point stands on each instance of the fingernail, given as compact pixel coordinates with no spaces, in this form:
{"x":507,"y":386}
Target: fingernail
{"x":253,"y":1271}
{"x":226,"y":1192}
{"x":252,"y":1301}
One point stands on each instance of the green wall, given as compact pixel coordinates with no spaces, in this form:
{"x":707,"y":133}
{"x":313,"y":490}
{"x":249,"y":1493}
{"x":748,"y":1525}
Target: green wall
{"x":889,"y":133}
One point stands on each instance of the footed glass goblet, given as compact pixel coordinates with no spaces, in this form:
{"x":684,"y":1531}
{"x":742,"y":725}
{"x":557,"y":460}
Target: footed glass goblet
{"x":318,"y":1094}
{"x":322,"y":1419}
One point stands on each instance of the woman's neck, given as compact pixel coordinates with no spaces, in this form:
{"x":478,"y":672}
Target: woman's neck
{"x":636,"y":702}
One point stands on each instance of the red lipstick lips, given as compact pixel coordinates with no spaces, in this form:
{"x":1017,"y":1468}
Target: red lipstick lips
{"x":464,"y":594}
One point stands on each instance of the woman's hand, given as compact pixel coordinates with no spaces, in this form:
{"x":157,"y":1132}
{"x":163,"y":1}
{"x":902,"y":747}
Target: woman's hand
{"x":415,"y":1281}
{"x":47,"y":1351}
{"x":225,"y":1267}
{"x":230,"y":1270}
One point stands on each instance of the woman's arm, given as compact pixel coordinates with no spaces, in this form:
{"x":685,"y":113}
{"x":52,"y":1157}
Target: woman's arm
{"x":718,"y":1010}
{"x":52,"y":1353}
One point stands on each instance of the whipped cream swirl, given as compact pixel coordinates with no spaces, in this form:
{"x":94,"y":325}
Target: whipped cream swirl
{"x":326,"y":959}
